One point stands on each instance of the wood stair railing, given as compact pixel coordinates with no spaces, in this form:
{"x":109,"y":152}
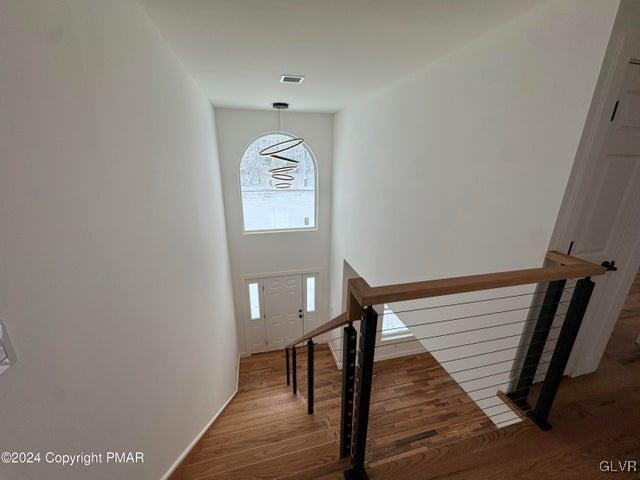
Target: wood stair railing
{"x":337,"y":322}
{"x":356,"y":387}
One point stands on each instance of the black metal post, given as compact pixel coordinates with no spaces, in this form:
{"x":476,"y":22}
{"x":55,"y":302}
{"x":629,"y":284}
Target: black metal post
{"x":349,"y":341}
{"x":310,"y":376}
{"x":287,"y":361}
{"x":566,"y":339}
{"x":362,"y":400}
{"x":294,"y":370}
{"x":537,"y":344}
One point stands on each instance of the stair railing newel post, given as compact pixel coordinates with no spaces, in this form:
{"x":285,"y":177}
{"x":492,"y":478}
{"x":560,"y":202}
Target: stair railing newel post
{"x":566,"y":339}
{"x":541,"y":330}
{"x":294,"y":370}
{"x":286,"y":359}
{"x":349,"y":343}
{"x":310,"y":376}
{"x":362,"y":398}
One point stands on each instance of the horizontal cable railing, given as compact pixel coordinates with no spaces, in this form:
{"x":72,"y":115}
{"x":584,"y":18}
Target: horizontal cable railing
{"x":571,"y":267}
{"x":512,"y":341}
{"x":505,"y":297}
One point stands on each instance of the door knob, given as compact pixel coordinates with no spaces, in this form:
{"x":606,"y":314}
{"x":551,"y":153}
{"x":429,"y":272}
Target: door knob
{"x":300,"y":315}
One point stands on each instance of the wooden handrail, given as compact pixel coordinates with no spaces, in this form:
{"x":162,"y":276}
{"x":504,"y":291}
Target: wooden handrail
{"x":356,"y":384}
{"x":564,"y":259}
{"x":339,"y":321}
{"x":362,"y":294}
{"x":568,"y":267}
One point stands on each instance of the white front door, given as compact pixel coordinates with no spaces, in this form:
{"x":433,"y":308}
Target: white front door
{"x":605,"y":220}
{"x":280,"y":309}
{"x":284,"y":317}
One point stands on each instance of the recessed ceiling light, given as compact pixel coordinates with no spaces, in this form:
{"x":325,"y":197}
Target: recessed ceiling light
{"x":292,"y":79}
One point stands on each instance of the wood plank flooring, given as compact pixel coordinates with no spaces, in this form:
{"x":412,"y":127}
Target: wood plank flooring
{"x":595,"y":418}
{"x":265,"y":432}
{"x":621,"y":347}
{"x":414,"y":403}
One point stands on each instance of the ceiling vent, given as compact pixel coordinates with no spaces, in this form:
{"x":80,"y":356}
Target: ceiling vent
{"x":292,"y":79}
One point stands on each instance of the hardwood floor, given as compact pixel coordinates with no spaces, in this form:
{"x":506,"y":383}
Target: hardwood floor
{"x":595,"y":418}
{"x":414,"y":403}
{"x":622,"y":345}
{"x":265,"y":432}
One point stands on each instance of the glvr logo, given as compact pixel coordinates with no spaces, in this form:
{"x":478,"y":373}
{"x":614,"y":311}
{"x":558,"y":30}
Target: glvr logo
{"x":619,"y":466}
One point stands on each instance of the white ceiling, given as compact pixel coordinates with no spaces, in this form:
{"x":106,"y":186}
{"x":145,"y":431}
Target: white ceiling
{"x":238,"y":49}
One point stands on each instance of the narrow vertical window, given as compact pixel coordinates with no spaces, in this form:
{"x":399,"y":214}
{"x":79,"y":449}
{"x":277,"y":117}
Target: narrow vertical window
{"x":254,"y":301}
{"x":311,"y":294}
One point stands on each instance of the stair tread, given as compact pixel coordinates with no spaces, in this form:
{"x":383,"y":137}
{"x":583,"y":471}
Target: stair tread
{"x":208,"y":465}
{"x":265,"y":434}
{"x":298,"y":410}
{"x":272,"y":402}
{"x":277,"y":467}
{"x":327,"y":471}
{"x":247,"y":415}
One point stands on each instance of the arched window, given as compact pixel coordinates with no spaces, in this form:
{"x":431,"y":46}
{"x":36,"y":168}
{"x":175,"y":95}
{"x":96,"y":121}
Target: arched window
{"x":270,"y":203}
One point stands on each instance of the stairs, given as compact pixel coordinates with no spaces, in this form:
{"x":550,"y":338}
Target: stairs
{"x":422,"y":426}
{"x":264,"y":433}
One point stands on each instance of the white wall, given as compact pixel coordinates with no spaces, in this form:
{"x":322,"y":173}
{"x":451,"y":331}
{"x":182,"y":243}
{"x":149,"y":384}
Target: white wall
{"x":114,"y":278}
{"x":407,"y":344}
{"x":460,"y":168}
{"x":258,"y":254}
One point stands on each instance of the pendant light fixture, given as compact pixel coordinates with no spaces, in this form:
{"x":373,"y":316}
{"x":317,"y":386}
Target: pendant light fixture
{"x":282,"y":175}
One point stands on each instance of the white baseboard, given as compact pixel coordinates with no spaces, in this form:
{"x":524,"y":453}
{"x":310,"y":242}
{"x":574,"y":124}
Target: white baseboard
{"x":382,"y":354}
{"x":186,"y":452}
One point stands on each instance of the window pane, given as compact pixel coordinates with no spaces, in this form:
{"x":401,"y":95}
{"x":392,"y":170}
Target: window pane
{"x":265,"y":207}
{"x":391,"y":324}
{"x":254,"y":301}
{"x":311,"y":294}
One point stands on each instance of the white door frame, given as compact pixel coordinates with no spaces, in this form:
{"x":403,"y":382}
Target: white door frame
{"x":602,"y":314}
{"x":245,"y":307}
